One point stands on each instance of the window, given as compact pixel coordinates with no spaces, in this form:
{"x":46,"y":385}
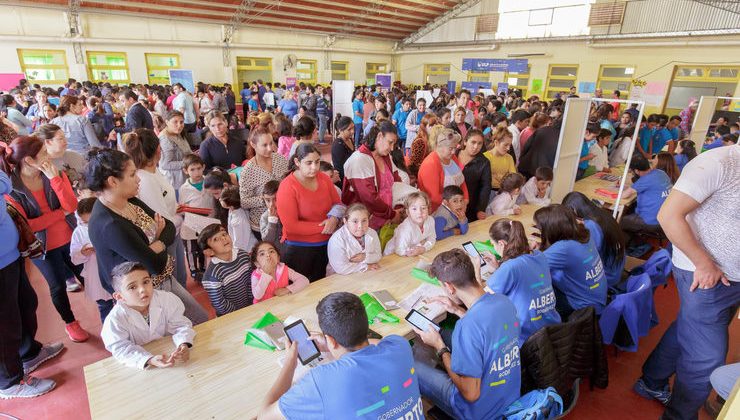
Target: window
{"x":707,"y":74}
{"x":251,"y":69}
{"x":104,"y":66}
{"x":45,"y":67}
{"x":339,"y":70}
{"x":613,"y":78}
{"x":477,"y":76}
{"x":306,"y":71}
{"x":519,"y":80}
{"x":157,"y":66}
{"x":371,"y":69}
{"x":436,"y":74}
{"x":560,"y":78}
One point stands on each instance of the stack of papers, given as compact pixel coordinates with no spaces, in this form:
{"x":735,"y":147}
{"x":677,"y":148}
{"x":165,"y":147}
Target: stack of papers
{"x":416,"y":301}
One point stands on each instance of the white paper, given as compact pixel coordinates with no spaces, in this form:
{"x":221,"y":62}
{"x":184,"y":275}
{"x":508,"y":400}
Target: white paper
{"x":197,"y":222}
{"x":269,"y":98}
{"x":426,"y":95}
{"x":416,"y":301}
{"x":435,"y":92}
{"x":487,"y":92}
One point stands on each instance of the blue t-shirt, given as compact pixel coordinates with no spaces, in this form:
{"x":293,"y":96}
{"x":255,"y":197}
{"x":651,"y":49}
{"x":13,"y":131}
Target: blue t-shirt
{"x":607,"y":125}
{"x":254,"y":105}
{"x":245,"y":94}
{"x":613,"y":271}
{"x":357,"y":106}
{"x":660,"y":138}
{"x":681,"y":160}
{"x":577,"y":274}
{"x":675,"y":133}
{"x":713,"y":145}
{"x":645,"y":136}
{"x":400,"y":118}
{"x":377,"y":381}
{"x":526,"y":281}
{"x":485,"y":344}
{"x":652,"y":190}
{"x":288,"y":107}
{"x":585,"y":147}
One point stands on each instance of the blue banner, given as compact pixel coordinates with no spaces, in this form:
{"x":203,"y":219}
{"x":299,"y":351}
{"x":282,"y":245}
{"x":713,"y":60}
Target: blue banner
{"x":451,"y":84}
{"x":185,"y":77}
{"x":515,"y":65}
{"x":474,"y":86}
{"x":502,"y":87}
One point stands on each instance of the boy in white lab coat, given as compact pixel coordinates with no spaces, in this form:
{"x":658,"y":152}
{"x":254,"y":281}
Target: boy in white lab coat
{"x":142,"y":315}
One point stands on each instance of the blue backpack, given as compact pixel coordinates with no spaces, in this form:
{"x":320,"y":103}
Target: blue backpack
{"x":540,"y":404}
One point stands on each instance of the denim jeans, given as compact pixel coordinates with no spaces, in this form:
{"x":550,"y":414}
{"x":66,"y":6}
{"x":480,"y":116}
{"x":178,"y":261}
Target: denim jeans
{"x":177,"y":251}
{"x":435,"y":384}
{"x":322,"y":127}
{"x":358,"y":134}
{"x":693,"y":346}
{"x":55,"y":268}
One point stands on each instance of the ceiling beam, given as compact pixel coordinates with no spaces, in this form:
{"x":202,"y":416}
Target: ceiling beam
{"x":461,"y":7}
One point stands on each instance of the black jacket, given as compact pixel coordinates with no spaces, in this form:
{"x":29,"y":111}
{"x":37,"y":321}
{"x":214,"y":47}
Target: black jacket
{"x":559,"y":354}
{"x":117,"y":240}
{"x":478,"y":180}
{"x":453,"y":126}
{"x":539,"y":151}
{"x":136,"y":117}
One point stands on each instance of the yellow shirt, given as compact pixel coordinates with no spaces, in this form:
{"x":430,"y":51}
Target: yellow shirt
{"x":500,"y":166}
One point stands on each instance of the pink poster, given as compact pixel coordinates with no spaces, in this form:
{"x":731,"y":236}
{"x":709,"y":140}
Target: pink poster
{"x":290,"y":82}
{"x":10,"y":80}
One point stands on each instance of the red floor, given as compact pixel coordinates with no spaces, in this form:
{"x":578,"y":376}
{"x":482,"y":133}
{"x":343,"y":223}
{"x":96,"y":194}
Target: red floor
{"x":69,"y":399}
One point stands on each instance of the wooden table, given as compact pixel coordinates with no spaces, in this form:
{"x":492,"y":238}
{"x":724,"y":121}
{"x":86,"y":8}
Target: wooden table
{"x":588,"y":186}
{"x":226,"y":379}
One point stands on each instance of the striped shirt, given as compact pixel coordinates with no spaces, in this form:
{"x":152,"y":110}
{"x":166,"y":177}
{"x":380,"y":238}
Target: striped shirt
{"x":228,"y":283}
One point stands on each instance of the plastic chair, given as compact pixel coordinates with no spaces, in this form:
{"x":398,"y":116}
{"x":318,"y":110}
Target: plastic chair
{"x":628,"y":316}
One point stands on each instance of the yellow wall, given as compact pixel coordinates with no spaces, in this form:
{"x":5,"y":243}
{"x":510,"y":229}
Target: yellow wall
{"x":197,"y":43}
{"x":655,"y":60}
{"x":199,"y":47}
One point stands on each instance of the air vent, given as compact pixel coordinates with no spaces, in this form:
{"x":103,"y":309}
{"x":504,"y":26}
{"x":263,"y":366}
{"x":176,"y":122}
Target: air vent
{"x":486,"y":24}
{"x":606,"y":14}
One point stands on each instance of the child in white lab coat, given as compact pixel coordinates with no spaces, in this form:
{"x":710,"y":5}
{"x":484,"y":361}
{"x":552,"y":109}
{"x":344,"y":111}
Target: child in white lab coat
{"x":504,"y":204}
{"x":82,"y":252}
{"x":238,"y":222}
{"x":142,"y":315}
{"x":354,"y":247}
{"x":537,"y":189}
{"x":192,"y":194}
{"x":416,"y":234}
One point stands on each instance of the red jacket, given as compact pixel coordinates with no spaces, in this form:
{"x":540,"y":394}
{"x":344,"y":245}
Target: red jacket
{"x":431,"y":179}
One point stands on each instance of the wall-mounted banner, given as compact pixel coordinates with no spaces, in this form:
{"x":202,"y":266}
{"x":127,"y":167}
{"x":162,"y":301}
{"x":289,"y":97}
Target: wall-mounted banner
{"x":184,"y":77}
{"x":451,"y":85}
{"x":474,"y":86}
{"x":514,"y":65}
{"x":384,"y":81}
{"x":502,"y":87}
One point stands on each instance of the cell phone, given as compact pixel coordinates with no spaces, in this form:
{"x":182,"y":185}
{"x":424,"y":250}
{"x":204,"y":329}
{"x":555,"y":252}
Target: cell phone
{"x":473,"y":252}
{"x":419,"y":321}
{"x":307,"y":349}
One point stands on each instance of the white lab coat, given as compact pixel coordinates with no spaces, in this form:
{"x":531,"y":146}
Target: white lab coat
{"x":240,"y":230}
{"x":503,"y":204}
{"x":529,"y":194}
{"x":343,"y":246}
{"x":93,"y":289}
{"x":190,"y":196}
{"x":408,"y":235}
{"x":125,"y":331}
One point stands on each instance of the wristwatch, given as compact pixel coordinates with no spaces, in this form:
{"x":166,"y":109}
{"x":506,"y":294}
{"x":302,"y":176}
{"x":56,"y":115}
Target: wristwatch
{"x":442,"y":351}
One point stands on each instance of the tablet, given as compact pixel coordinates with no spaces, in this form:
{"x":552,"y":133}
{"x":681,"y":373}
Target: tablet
{"x":473,"y":252}
{"x":307,"y":349}
{"x":419,"y":321}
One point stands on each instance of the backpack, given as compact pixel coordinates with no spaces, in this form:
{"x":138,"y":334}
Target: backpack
{"x":540,"y":404}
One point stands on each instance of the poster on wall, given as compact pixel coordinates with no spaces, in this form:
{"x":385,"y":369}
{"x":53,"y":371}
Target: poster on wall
{"x":502,"y":88}
{"x":184,"y":77}
{"x":384,"y":81}
{"x":515,"y":65}
{"x":451,"y":85}
{"x":536,"y":86}
{"x":10,"y":80}
{"x":290,"y":82}
{"x":653,"y":93}
{"x":586,"y":87}
{"x":426,"y":94}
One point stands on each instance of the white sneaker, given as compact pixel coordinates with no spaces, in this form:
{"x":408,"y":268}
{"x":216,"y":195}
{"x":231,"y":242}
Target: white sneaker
{"x":73,"y":286}
{"x":29,"y":387}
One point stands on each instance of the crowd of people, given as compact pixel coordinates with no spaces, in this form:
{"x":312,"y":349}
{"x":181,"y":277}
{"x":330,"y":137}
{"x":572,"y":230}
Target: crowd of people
{"x":98,"y":186}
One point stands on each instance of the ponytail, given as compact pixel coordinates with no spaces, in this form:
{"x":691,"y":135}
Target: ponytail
{"x":513,"y":233}
{"x":141,"y":145}
{"x":66,"y":103}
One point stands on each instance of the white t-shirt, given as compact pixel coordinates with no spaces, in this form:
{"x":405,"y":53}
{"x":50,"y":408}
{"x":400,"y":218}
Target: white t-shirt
{"x":601,"y":157}
{"x":713,"y":179}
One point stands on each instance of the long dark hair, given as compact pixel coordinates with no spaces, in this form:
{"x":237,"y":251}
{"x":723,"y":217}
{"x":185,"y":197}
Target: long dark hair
{"x":513,"y":233}
{"x":101,"y":164}
{"x":141,"y":145}
{"x":688,"y":149}
{"x":557,"y":222}
{"x":613,"y":248}
{"x":12,"y":155}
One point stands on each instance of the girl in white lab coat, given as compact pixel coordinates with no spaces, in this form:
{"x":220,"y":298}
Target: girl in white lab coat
{"x":354,"y":247}
{"x":416,"y":234}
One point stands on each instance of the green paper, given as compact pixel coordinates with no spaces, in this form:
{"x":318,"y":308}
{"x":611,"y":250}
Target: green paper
{"x":255,"y":341}
{"x":424,"y":276}
{"x":374,"y":310}
{"x":486,"y":246}
{"x":536,"y":86}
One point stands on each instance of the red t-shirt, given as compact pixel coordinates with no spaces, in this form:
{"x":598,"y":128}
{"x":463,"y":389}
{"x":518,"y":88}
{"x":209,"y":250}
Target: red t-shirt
{"x":301,"y":210}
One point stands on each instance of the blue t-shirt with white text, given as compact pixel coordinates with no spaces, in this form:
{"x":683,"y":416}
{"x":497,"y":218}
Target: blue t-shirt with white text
{"x":526,"y":281}
{"x":613,"y":271}
{"x":577,"y":274}
{"x":485,"y":344}
{"x":652,"y":190}
{"x":377,"y":381}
